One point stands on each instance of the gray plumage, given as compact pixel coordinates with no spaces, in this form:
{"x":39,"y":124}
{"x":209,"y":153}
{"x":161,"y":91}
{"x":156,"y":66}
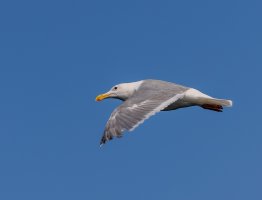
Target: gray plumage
{"x":145,"y":98}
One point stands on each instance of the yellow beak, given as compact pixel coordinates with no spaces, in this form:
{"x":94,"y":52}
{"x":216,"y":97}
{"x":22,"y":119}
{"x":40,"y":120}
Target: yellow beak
{"x":102,"y":96}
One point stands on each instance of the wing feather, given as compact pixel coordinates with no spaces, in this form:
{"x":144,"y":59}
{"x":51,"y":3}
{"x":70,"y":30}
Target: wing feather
{"x":134,"y":112}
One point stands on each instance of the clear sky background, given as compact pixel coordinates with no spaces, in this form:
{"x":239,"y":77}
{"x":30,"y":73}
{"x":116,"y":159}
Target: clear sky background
{"x":56,"y":56}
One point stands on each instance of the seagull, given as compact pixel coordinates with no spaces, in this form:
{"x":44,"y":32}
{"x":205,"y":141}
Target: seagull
{"x":145,"y":98}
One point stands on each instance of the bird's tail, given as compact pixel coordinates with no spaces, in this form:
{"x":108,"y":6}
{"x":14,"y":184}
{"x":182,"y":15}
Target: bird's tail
{"x":214,"y":104}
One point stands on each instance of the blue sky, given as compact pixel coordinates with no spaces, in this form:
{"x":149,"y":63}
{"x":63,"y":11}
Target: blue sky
{"x":56,"y":56}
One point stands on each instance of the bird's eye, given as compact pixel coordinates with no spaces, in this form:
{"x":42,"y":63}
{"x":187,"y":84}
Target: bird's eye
{"x":115,"y":88}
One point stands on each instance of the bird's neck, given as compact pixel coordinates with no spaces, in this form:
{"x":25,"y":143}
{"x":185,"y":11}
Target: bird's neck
{"x":130,"y":88}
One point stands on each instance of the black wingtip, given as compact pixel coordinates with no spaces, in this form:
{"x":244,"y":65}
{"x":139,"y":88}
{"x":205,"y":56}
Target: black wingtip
{"x":101,"y":144}
{"x":103,"y":140}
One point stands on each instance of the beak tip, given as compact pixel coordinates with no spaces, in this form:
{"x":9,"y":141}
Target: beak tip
{"x":102,"y":96}
{"x":97,"y":99}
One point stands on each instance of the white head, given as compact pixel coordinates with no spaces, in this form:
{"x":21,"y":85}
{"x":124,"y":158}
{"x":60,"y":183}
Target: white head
{"x":121,"y":91}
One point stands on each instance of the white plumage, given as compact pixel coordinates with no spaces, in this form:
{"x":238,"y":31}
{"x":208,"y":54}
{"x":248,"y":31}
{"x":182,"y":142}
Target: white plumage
{"x":142,"y":99}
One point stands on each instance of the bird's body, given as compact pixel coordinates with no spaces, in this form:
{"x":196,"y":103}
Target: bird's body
{"x":145,"y":98}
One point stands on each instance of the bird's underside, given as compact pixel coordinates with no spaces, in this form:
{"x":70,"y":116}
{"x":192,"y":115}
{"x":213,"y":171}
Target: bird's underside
{"x":178,"y":104}
{"x":145,"y":98}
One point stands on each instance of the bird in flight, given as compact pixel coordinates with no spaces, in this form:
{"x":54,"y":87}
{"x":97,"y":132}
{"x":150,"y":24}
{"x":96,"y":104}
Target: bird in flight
{"x":142,"y":99}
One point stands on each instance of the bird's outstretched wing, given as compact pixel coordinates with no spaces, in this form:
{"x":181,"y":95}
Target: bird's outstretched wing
{"x":135,"y":111}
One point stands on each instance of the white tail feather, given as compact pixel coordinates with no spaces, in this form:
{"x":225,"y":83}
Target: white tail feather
{"x":199,"y":98}
{"x":221,"y":102}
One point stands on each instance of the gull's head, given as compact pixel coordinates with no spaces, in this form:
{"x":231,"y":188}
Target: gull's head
{"x":121,"y":91}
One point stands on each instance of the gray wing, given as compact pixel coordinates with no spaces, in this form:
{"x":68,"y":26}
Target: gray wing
{"x":136,"y":109}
